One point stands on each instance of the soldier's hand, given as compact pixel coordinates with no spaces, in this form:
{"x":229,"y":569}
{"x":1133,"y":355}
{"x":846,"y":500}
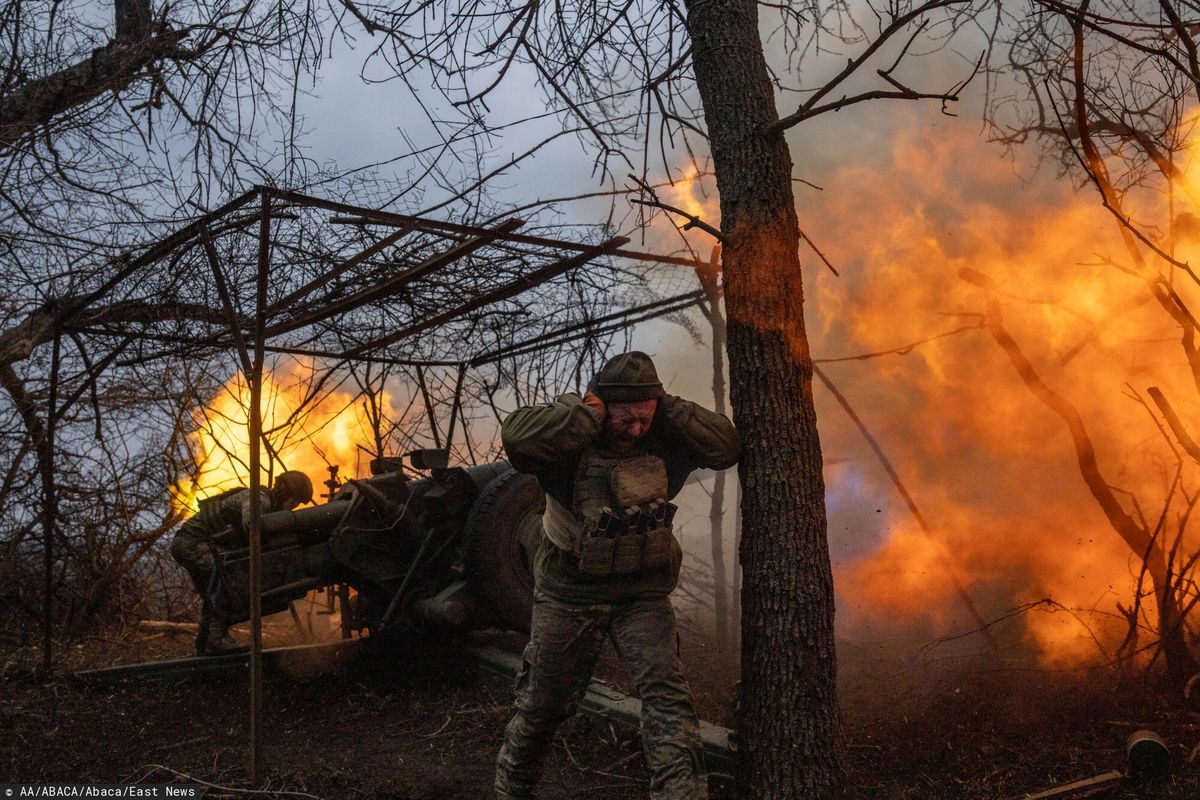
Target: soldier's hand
{"x":593,"y":402}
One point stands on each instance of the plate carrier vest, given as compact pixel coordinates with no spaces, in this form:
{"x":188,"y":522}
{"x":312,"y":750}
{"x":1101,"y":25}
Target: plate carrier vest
{"x":621,"y":520}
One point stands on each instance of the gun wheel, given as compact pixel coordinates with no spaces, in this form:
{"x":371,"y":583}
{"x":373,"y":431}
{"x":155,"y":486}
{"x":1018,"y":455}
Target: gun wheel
{"x":502,"y":535}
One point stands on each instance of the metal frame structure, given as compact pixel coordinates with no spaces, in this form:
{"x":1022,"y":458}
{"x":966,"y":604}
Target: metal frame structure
{"x":285,"y":308}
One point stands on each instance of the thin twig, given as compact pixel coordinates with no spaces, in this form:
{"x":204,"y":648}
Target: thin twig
{"x":902,"y":350}
{"x":438,"y":732}
{"x":943,"y":556}
{"x":256,"y":792}
{"x":821,"y":255}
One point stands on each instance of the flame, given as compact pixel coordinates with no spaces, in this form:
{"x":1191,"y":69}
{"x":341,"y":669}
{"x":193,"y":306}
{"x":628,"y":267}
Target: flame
{"x":306,"y":433}
{"x":992,"y":469}
{"x":693,"y":193}
{"x":689,"y":193}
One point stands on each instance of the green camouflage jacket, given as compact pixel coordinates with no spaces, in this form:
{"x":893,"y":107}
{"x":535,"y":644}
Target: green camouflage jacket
{"x":227,"y":511}
{"x":548,"y":441}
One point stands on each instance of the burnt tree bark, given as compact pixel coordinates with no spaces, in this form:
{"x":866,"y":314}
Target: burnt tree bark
{"x":790,"y":737}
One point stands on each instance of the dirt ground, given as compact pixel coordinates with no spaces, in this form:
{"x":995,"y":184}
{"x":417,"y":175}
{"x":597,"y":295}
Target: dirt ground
{"x":421,"y":721}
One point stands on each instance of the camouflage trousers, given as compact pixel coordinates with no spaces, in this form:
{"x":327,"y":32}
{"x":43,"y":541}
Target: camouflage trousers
{"x":564,"y":644}
{"x":194,"y":552}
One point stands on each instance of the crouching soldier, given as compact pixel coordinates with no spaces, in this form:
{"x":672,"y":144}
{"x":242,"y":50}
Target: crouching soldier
{"x":609,"y":463}
{"x":223,"y":523}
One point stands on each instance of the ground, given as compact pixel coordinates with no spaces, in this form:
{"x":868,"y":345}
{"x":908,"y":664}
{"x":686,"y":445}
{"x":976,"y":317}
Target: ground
{"x":421,"y":721}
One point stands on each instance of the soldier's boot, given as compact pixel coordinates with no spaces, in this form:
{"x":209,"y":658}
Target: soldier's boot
{"x":519,"y":762}
{"x":220,"y":643}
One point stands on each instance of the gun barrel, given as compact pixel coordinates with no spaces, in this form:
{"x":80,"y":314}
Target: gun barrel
{"x":310,"y":524}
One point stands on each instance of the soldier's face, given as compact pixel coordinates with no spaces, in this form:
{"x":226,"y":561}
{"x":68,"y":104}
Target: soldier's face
{"x":626,"y":423}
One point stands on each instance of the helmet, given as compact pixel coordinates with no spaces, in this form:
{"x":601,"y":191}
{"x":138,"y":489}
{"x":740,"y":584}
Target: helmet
{"x":294,"y":485}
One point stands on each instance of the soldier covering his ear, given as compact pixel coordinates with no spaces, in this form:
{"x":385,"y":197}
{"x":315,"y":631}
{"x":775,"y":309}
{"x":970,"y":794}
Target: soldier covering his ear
{"x":609,"y":463}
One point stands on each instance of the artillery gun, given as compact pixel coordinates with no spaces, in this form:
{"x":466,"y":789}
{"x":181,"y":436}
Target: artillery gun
{"x":452,"y":548}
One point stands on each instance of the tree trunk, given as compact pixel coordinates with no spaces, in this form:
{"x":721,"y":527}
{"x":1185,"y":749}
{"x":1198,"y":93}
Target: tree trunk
{"x":790,"y":740}
{"x":735,"y":605}
{"x":716,"y":512}
{"x":133,"y":18}
{"x":716,"y":522}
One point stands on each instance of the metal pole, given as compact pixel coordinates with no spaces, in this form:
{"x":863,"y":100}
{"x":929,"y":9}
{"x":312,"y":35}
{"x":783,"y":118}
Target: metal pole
{"x":437,"y":437}
{"x":260,"y":304}
{"x":361,"y":216}
{"x":48,"y":507}
{"x":454,"y":409}
{"x":235,"y":325}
